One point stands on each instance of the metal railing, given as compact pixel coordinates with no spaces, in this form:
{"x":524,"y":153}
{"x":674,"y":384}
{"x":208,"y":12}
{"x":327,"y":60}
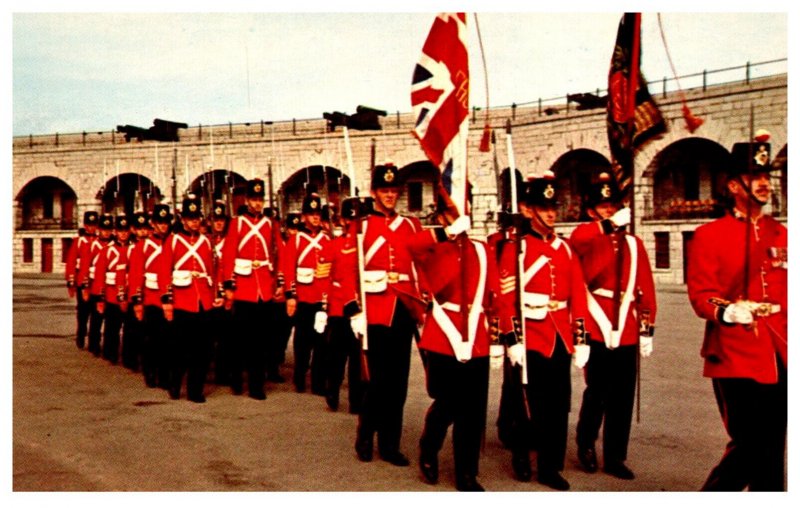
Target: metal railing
{"x":317,"y":126}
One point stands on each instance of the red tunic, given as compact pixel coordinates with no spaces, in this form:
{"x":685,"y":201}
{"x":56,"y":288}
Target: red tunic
{"x":105,"y":281}
{"x":341,"y":254}
{"x":387,"y":264}
{"x":554,"y":292}
{"x":443,"y":269}
{"x":90,"y":252}
{"x":249,"y":258}
{"x":716,"y":270}
{"x":143,"y":278}
{"x":300,"y":265}
{"x":186,"y":269}
{"x":73,"y":263}
{"x":597,"y":252}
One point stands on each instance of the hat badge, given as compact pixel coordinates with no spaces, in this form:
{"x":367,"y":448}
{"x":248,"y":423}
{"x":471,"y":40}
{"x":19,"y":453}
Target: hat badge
{"x":389,"y":176}
{"x":192,"y":207}
{"x":257,"y":187}
{"x":605,"y":191}
{"x":549,"y":192}
{"x":313,"y":205}
{"x":218,"y":210}
{"x":762,"y":156}
{"x":141,"y":220}
{"x":162,"y":213}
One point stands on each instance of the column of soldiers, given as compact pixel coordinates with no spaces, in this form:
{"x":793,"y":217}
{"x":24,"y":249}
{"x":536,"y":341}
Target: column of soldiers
{"x":227,"y":299}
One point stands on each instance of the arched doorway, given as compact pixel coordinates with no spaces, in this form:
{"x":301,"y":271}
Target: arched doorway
{"x":46,"y":202}
{"x":127,"y":193}
{"x":222,"y":184}
{"x":330,"y":183}
{"x":688,"y":180}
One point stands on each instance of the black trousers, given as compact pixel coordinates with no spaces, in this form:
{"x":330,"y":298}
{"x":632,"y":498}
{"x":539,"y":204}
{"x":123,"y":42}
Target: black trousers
{"x":549,"y":391}
{"x":83,"y":309}
{"x":389,"y":361}
{"x":283,"y":330}
{"x":608,"y":400}
{"x":220,"y":323}
{"x":308,"y":348}
{"x":155,"y":348}
{"x":251,"y":342}
{"x":344,"y":351}
{"x":192,"y":351}
{"x":460,"y":392}
{"x":111,"y":332}
{"x":755,"y":417}
{"x":132,"y":337}
{"x":95,"y":325}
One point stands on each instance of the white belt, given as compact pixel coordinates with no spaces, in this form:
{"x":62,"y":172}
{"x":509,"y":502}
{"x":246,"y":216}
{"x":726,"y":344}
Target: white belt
{"x":151,"y":280}
{"x":183,"y":278}
{"x":245,"y":266}
{"x":375,"y":281}
{"x":605,"y":293}
{"x":111,"y":278}
{"x":91,"y":272}
{"x":304,"y":275}
{"x":537,"y":305}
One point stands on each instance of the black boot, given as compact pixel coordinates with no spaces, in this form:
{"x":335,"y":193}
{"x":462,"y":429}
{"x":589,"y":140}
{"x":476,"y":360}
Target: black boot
{"x":588,"y":458}
{"x":468,"y":483}
{"x":429,"y":467}
{"x":521,"y":464}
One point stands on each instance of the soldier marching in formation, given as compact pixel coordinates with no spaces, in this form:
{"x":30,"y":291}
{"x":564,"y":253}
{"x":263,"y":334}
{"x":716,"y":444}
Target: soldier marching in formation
{"x":184,"y":295}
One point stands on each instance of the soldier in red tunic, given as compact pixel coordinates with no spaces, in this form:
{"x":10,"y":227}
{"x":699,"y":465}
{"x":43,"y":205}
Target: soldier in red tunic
{"x":612,"y":260}
{"x":86,"y":275}
{"x":110,"y":291}
{"x":188,"y":293}
{"x":388,"y":271}
{"x":553,"y":308}
{"x":85,"y":237}
{"x":249,"y":269}
{"x":737,"y":282}
{"x":457,"y":366}
{"x":146,"y":298}
{"x":220,"y":319}
{"x":305,"y":299}
{"x":283,"y":323}
{"x":132,"y":327}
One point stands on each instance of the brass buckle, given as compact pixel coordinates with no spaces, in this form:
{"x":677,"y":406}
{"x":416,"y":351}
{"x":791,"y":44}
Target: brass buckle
{"x":763,"y":309}
{"x":552,"y":305}
{"x":392,"y":277}
{"x":195,"y":274}
{"x":256,"y":263}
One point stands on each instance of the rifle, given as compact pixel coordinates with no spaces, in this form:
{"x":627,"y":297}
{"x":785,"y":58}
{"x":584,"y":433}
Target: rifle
{"x":520,"y":267}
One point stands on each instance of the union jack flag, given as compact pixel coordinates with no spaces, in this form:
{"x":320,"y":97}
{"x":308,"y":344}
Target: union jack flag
{"x":440,"y":102}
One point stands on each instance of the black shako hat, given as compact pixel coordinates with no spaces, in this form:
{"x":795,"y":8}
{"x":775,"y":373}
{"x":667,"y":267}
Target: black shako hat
{"x":541,"y":191}
{"x":90,"y":218}
{"x":123,"y":222}
{"x":161,"y":214}
{"x":191,"y":207}
{"x":603,"y":189}
{"x":312,"y":203}
{"x":255,"y":188}
{"x":384,"y":176}
{"x":106,"y":221}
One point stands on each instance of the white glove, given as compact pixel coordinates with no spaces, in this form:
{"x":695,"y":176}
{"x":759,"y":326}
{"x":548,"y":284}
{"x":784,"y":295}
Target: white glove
{"x":645,"y":346}
{"x":581,"y":355}
{"x":358,"y":323}
{"x":320,"y":320}
{"x":516,"y":354}
{"x":460,"y":225}
{"x":738,"y":313}
{"x":621,"y":217}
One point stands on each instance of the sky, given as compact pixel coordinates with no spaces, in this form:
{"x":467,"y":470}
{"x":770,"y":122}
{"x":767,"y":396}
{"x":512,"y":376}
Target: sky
{"x":87,"y":70}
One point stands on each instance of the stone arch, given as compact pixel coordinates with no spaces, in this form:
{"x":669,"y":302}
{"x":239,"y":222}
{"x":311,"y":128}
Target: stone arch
{"x":331,"y":184}
{"x":127,"y":193}
{"x":573,"y":173}
{"x":222,"y":184}
{"x":46,"y":202}
{"x":688,"y":180}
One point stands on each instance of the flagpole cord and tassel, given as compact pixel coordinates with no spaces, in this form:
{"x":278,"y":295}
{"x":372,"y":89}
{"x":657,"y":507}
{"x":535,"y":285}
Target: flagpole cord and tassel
{"x":692,"y":122}
{"x":487,"y":129}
